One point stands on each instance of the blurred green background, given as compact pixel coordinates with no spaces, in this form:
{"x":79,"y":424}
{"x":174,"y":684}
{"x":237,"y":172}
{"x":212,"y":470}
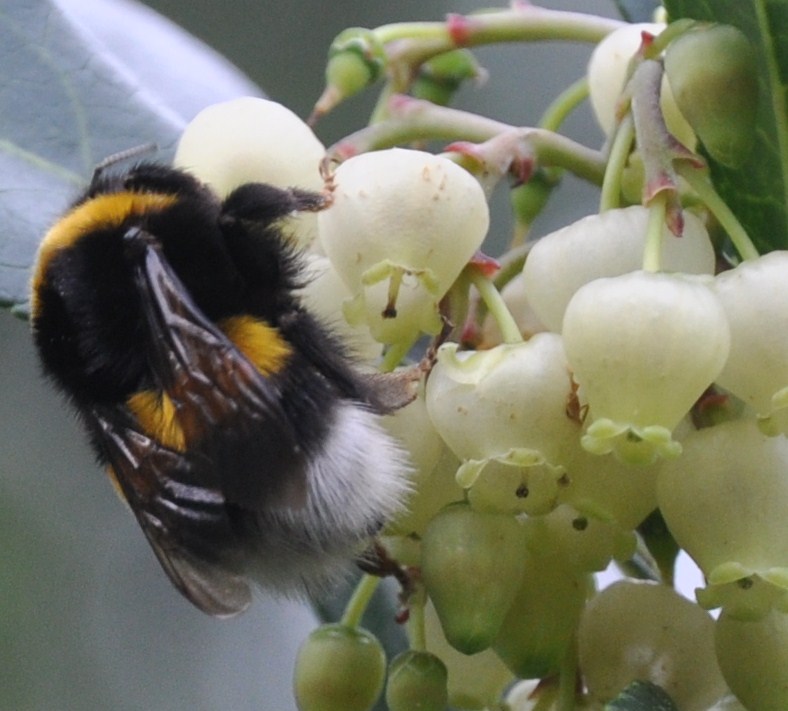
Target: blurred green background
{"x":87,"y":618}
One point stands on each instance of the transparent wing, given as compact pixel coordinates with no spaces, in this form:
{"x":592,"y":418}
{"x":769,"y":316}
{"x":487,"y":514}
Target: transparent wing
{"x":183,"y":514}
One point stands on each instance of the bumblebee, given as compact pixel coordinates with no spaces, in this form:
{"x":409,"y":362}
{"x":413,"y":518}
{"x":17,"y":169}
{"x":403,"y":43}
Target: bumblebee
{"x":232,"y":422}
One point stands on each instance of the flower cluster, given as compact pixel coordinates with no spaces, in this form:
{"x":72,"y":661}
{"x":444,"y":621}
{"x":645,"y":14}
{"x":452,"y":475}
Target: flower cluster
{"x":615,"y":371}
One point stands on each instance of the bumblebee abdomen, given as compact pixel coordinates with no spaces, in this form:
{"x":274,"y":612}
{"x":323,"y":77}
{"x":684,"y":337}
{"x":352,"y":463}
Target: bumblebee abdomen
{"x":355,"y":482}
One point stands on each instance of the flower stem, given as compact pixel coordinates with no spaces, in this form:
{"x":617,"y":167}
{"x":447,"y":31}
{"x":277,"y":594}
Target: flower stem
{"x":410,"y":119}
{"x":610,"y":197}
{"x":359,"y":601}
{"x":564,"y":104}
{"x":496,"y":306}
{"x":671,"y":32}
{"x":414,"y":31}
{"x":655,"y":143}
{"x":511,"y":264}
{"x":414,"y":120}
{"x":657,"y":211}
{"x":381,"y":110}
{"x":642,"y":565}
{"x":716,"y":205}
{"x":414,"y":43}
{"x":417,"y":636}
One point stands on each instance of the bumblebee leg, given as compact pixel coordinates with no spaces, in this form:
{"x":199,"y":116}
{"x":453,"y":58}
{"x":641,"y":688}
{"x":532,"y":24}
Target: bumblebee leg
{"x":264,"y":203}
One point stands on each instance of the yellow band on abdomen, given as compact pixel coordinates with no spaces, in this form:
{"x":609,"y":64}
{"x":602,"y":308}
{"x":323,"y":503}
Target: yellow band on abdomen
{"x":260,"y":342}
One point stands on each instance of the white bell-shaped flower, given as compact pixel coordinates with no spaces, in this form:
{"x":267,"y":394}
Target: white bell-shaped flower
{"x":324,"y":294}
{"x":753,"y":657}
{"x":402,"y":226}
{"x":583,"y":543}
{"x":503,"y":413}
{"x":637,"y":630}
{"x":643,"y":347}
{"x":754,"y":296}
{"x":610,"y":490}
{"x":724,"y":501}
{"x":605,"y":245}
{"x":252,"y":140}
{"x":607,"y":72}
{"x":433,"y":467}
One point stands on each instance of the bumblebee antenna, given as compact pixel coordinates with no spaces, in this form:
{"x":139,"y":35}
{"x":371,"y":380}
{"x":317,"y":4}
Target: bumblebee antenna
{"x":120,"y":157}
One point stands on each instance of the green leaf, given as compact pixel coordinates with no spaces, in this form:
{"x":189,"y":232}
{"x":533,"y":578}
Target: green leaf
{"x":637,"y":10}
{"x":67,"y":101}
{"x":642,"y":696}
{"x":757,"y":192}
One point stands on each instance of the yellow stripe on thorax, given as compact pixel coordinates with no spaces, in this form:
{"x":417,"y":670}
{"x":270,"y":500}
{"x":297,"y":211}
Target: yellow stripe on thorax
{"x":101,"y":212}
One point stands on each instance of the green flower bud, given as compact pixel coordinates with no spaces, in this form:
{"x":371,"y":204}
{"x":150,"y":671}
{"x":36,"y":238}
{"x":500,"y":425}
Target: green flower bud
{"x":439,"y":78}
{"x":476,"y":681}
{"x":472,"y":563}
{"x":542,"y":619}
{"x":417,"y":682}
{"x":529,"y":199}
{"x":356,"y":59}
{"x":712,"y":72}
{"x":339,"y":668}
{"x":456,"y":65}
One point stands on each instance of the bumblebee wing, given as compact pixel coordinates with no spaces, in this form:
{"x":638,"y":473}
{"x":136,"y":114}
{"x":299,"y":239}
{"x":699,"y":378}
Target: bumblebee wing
{"x":228,"y":410}
{"x":184,"y":517}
